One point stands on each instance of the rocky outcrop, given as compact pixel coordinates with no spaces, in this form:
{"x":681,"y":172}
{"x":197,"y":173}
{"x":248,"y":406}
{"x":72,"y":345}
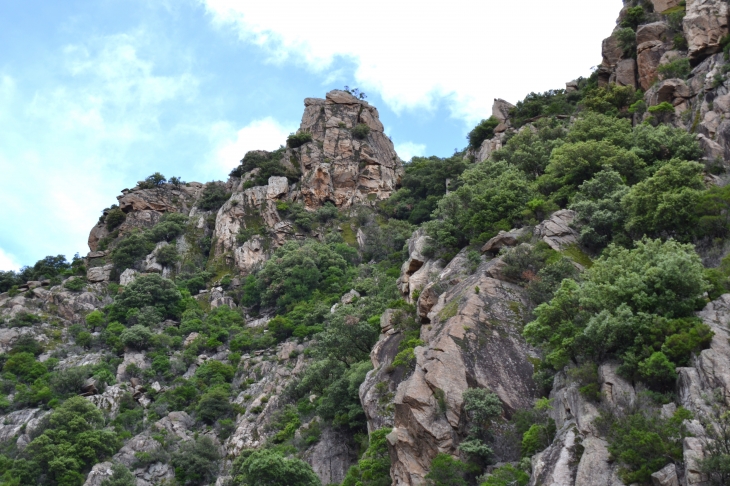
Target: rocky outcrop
{"x":473,"y":340}
{"x":556,"y":231}
{"x":349,"y":160}
{"x":705,"y":24}
{"x":418,"y":270}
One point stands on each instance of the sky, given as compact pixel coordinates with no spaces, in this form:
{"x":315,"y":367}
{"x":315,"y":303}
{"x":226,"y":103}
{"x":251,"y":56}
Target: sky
{"x":96,"y":95}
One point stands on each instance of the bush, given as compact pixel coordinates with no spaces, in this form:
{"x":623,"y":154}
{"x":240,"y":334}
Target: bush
{"x":665,"y":203}
{"x":214,"y":405}
{"x":598,"y":209}
{"x":121,"y":476}
{"x":295,"y":140}
{"x":373,"y":468}
{"x":75,"y":284}
{"x":137,"y":337}
{"x":628,"y":299}
{"x":360,"y":131}
{"x":148,"y":290}
{"x":114,"y":218}
{"x":167,"y":256}
{"x":269,"y":468}
{"x":447,"y":471}
{"x":213,"y":197}
{"x":626,"y":39}
{"x":171,"y":226}
{"x":483,"y":131}
{"x":131,"y":250}
{"x":530,"y":150}
{"x":679,"y":68}
{"x":644,"y":443}
{"x":490,"y":199}
{"x":150,"y":182}
{"x":507,"y":475}
{"x":269,"y":164}
{"x":634,"y":17}
{"x":196,"y":462}
{"x":663,"y":107}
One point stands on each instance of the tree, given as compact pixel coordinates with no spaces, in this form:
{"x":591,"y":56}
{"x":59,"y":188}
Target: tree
{"x":196,"y":462}
{"x":446,"y":471}
{"x":373,"y":468}
{"x":530,"y":150}
{"x":137,"y":337}
{"x":598,"y":209}
{"x":121,"y":476}
{"x":628,"y":299}
{"x":269,"y":468}
{"x":214,"y":405}
{"x":114,"y":218}
{"x":149,"y":290}
{"x":483,"y":131}
{"x":665,"y":203}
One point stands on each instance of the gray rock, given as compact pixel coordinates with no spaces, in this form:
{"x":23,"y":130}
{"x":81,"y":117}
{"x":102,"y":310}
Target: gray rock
{"x":667,"y":476}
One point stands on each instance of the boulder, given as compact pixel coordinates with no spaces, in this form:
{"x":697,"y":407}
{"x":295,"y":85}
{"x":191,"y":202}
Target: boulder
{"x":418,"y":270}
{"x":556,"y":230}
{"x":99,"y":274}
{"x":626,"y":73}
{"x":649,"y":56}
{"x":666,"y":476}
{"x":504,"y":240}
{"x":501,"y":109}
{"x":664,"y":5}
{"x":331,"y":456}
{"x":705,"y":24}
{"x":655,"y":31}
{"x":128,"y":276}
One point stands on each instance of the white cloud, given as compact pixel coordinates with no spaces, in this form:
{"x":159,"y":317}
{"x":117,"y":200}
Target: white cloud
{"x":407,"y":150}
{"x":264,"y":134}
{"x":8,"y":262}
{"x":414,"y":53}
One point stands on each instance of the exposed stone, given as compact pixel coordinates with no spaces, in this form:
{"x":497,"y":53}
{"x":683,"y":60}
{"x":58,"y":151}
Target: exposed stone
{"x":99,"y":274}
{"x":626,"y":73}
{"x":501,"y":109}
{"x":666,"y":476}
{"x":649,"y":56}
{"x":664,"y":5}
{"x":109,"y":401}
{"x":705,"y":24}
{"x":556,"y":230}
{"x":503,"y":240}
{"x":655,"y":31}
{"x":418,"y":270}
{"x":128,"y":276}
{"x":350,"y":297}
{"x":331,"y":457}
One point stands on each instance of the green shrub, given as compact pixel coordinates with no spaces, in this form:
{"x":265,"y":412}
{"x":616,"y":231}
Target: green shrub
{"x":679,"y":68}
{"x":269,"y":164}
{"x":213,"y":197}
{"x":634,"y":17}
{"x":643,"y":443}
{"x":613,"y":99}
{"x":483,"y":131}
{"x":196,"y":462}
{"x":507,"y":475}
{"x":373,"y":468}
{"x":267,"y":467}
{"x":133,"y":248}
{"x":530,"y":150}
{"x":295,"y":140}
{"x":167,"y":256}
{"x":447,"y":471}
{"x":360,"y":131}
{"x":121,"y":476}
{"x":214,"y":405}
{"x":171,"y":226}
{"x":152,"y":181}
{"x":136,"y":337}
{"x":626,"y":40}
{"x":148,"y":290}
{"x":598,"y":209}
{"x":114,"y":218}
{"x":628,"y":299}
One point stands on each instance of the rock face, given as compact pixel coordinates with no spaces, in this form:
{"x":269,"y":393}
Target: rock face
{"x":473,"y":340}
{"x":705,"y":24}
{"x":349,"y":160}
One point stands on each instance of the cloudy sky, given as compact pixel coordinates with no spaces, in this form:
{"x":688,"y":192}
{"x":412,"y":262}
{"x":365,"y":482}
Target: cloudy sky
{"x":96,"y":95}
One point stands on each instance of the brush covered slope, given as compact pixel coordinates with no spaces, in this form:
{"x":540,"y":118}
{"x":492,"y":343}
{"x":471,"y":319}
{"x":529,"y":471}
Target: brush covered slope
{"x":548,"y":306}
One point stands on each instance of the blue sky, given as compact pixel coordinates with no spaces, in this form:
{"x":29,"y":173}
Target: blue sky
{"x":96,"y":95}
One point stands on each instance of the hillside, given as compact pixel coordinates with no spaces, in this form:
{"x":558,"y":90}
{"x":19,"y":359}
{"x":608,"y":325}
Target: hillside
{"x":549,"y":306}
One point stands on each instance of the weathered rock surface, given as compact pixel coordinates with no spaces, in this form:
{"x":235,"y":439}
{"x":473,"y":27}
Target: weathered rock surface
{"x":705,"y":24}
{"x":556,"y":231}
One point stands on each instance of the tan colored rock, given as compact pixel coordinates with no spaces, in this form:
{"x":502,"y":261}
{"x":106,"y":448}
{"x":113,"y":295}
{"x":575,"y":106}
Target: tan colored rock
{"x":99,"y":274}
{"x":705,"y":24}
{"x":655,"y":31}
{"x":501,"y":109}
{"x":626,"y":73}
{"x":503,"y":239}
{"x":250,"y":255}
{"x":331,"y":456}
{"x":649,"y":56}
{"x":556,"y":230}
{"x":666,"y":476}
{"x":664,"y":5}
{"x":128,"y":276}
{"x":98,"y":232}
{"x":611,"y":51}
{"x":418,"y":270}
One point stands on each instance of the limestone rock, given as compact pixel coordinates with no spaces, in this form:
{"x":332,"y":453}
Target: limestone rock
{"x":705,"y":24}
{"x":109,"y":401}
{"x":99,"y":473}
{"x":13,"y":423}
{"x":488,"y":147}
{"x":128,"y":276}
{"x":331,"y":457}
{"x":503,"y":239}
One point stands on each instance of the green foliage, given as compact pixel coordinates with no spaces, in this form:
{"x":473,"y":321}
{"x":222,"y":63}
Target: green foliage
{"x":634,"y":17}
{"x":340,"y":402}
{"x":598,"y":209}
{"x":130,"y":250}
{"x":296,"y":140}
{"x":573,"y":163}
{"x":507,"y":475}
{"x":423,"y":184}
{"x":629,"y":305}
{"x":549,"y":103}
{"x":664,"y":204}
{"x":613,"y":99}
{"x":360,"y":131}
{"x":662,"y":143}
{"x":483,"y":131}
{"x":490,"y":199}
{"x":626,"y":40}
{"x":530,"y":150}
{"x":679,"y":68}
{"x":536,"y":427}
{"x":121,"y":476}
{"x":152,"y":181}
{"x":196,"y":462}
{"x":213,"y":197}
{"x":482,"y":406}
{"x":72,"y":442}
{"x":644,"y":442}
{"x":269,"y":165}
{"x":663,"y":107}
{"x":267,"y":467}
{"x":114,"y":218}
{"x":373,"y":468}
{"x":214,"y":405}
{"x":171,"y":226}
{"x":167,"y":256}
{"x":447,"y":471}
{"x":148,"y":290}
{"x":136,"y":337}
{"x":75,"y":284}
